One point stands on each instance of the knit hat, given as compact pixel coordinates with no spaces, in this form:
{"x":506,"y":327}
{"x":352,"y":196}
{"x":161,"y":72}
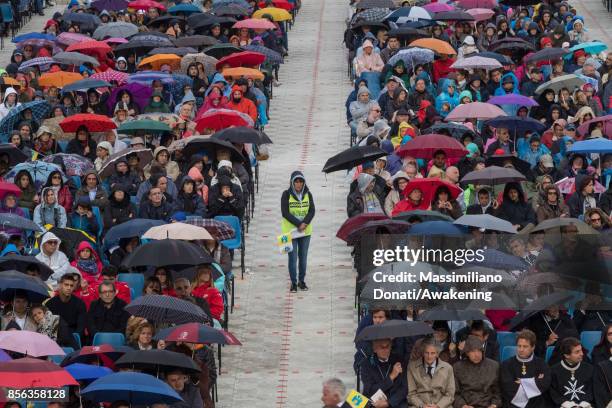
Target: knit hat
{"x":224,"y":163}
{"x":578,"y":54}
{"x":137,"y":140}
{"x":472,"y":343}
{"x":545,"y":41}
{"x":367,"y":165}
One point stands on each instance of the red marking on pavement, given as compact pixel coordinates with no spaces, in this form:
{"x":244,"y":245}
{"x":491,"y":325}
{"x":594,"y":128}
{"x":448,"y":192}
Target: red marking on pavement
{"x":321,"y":297}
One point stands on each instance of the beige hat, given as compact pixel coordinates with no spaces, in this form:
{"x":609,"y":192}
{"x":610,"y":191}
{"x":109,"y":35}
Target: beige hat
{"x":136,"y":140}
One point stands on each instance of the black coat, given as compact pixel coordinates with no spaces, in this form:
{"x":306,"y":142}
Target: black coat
{"x":117,"y":213}
{"x":108,"y":320}
{"x":162,"y":212}
{"x":602,"y":384}
{"x":190,"y":204}
{"x":520,"y":212}
{"x":130,"y":182}
{"x":219,"y":205}
{"x":375,"y":376}
{"x":75,"y":147}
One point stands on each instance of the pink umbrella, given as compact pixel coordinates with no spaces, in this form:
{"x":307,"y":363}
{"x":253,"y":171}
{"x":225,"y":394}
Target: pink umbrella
{"x":111,"y":75}
{"x":29,"y":343}
{"x":470,"y":4}
{"x":438,"y":7}
{"x":66,"y":39}
{"x":474,"y":110}
{"x":481,"y":14}
{"x":568,"y":186}
{"x":115,"y":40}
{"x":605,"y":120}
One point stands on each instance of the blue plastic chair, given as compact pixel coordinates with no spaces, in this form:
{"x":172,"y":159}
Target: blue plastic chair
{"x":508,"y":352}
{"x":98,"y":216}
{"x":549,"y":352}
{"x":505,"y":339}
{"x":26,"y":212}
{"x":76,"y":180}
{"x":63,"y":145}
{"x":237,"y":242}
{"x":114,"y":339}
{"x":77,"y":339}
{"x":589,"y":340}
{"x":135,"y":281}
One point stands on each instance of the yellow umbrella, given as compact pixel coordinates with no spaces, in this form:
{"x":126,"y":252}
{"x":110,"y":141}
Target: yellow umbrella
{"x":59,"y":78}
{"x":243,"y":72}
{"x":278,"y":14}
{"x":156,"y":61}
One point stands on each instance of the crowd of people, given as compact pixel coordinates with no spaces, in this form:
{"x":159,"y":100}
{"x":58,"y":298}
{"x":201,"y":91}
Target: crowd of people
{"x":118,"y":118}
{"x":488,"y":121}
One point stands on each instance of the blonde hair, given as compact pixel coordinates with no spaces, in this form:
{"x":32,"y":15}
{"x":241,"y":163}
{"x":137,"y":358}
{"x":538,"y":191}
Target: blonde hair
{"x":138,"y":330}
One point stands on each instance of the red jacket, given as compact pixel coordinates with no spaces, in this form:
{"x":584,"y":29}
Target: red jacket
{"x":245,"y":105}
{"x":407,"y":205}
{"x":441,"y":69}
{"x":212,"y":296}
{"x":87,"y":296}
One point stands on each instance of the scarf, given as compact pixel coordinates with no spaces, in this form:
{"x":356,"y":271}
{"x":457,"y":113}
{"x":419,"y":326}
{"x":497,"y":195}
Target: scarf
{"x":89,"y":266}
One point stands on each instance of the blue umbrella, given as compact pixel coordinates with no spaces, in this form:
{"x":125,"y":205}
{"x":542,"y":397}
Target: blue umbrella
{"x":271,"y":55}
{"x":436,"y":228}
{"x":40,"y":110}
{"x":85,"y":84}
{"x":12,"y":281}
{"x":134,"y":388}
{"x":176,"y":87}
{"x":33,"y":36}
{"x":186,"y":8}
{"x":516,"y":124}
{"x":496,"y":259}
{"x":598,"y":145}
{"x":82,"y":372}
{"x":593,"y":47}
{"x":39,"y":171}
{"x":412,"y":57}
{"x":10,"y":220}
{"x":147,"y":77}
{"x":131,"y":228}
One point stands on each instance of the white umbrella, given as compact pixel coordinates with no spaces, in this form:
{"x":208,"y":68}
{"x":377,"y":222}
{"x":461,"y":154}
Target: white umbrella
{"x":416,"y":13}
{"x":477,"y":62}
{"x":178,"y":230}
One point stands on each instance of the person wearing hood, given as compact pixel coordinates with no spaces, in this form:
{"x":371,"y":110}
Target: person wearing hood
{"x":445,"y":204}
{"x":124,"y":177}
{"x":187,"y":100}
{"x":545,"y":102}
{"x":514,"y":208}
{"x":578,"y":34}
{"x":87,"y":262}
{"x":214,"y":100}
{"x":9,"y":102}
{"x":400,"y":181}
{"x":188,"y":201}
{"x":393,"y":46}
{"x":448,"y":99}
{"x":368,"y":61}
{"x":552,"y":206}
{"x":399,"y":71}
{"x":82,"y":144}
{"x":508,"y":85}
{"x":225,"y":198}
{"x":91,"y":188}
{"x":531,"y":151}
{"x":9,"y":205}
{"x":93,"y":104}
{"x":121,"y":64}
{"x":161,"y":158}
{"x":420,"y":91}
{"x":298,"y":211}
{"x":82,"y":217}
{"x":156,"y":104}
{"x":468,"y":48}
{"x":488,"y":37}
{"x":49,"y":211}
{"x":576,"y":165}
{"x":242,"y":104}
{"x":51,"y":256}
{"x":534,"y":81}
{"x":103,"y":152}
{"x":125,"y":99}
{"x":547,"y":23}
{"x":68,"y":105}
{"x":28,"y":198}
{"x":364,"y":199}
{"x":44,"y":143}
{"x":119,"y":209}
{"x":158,"y":179}
{"x":359,"y":109}
{"x":583,"y":198}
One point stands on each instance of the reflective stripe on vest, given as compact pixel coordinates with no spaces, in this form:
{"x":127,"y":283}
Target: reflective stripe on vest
{"x":298,"y":209}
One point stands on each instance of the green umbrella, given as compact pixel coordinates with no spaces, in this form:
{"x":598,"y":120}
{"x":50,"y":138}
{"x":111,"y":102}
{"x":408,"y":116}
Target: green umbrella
{"x":145,"y":125}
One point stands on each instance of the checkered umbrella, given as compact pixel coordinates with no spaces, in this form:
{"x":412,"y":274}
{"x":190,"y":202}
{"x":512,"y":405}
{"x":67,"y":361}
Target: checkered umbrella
{"x":40,"y":110}
{"x":166,"y":309}
{"x":75,"y":164}
{"x":42,"y":62}
{"x":111,"y":75}
{"x":218,"y":229}
{"x":373,"y":15}
{"x":36,"y":42}
{"x":271,"y":55}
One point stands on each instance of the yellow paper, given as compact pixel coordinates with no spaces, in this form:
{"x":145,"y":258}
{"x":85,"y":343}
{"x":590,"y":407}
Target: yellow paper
{"x":356,"y":400}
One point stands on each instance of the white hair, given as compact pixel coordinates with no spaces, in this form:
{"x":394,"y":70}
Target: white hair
{"x":336,"y":386}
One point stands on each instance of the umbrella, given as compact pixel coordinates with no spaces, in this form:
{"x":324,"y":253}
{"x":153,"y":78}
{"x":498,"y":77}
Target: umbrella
{"x":75,"y":58}
{"x":456,"y":130}
{"x":352,"y":223}
{"x":110,"y":5}
{"x":351,"y":157}
{"x":39,"y":109}
{"x":429,"y":186}
{"x":221,"y":50}
{"x":220,"y":230}
{"x":238,"y":59}
{"x":159,"y":60}
{"x":91,"y":121}
{"x":439,"y":46}
{"x":373,"y":15}
{"x":21,"y":262}
{"x":569,"y":81}
{"x":92,"y":46}
{"x":517,"y":124}
{"x":184,"y":8}
{"x":470,"y":4}
{"x":202,"y":22}
{"x":422,"y":216}
{"x":271,"y":55}
{"x":210,"y":145}
{"x":242,"y":135}
{"x":12,"y":281}
{"x":413,"y":57}
{"x":39,"y":171}
{"x":567,"y":185}
{"x":476,"y":62}
{"x":36,"y":43}
{"x":218,"y":119}
{"x":241,"y":3}
{"x":598,"y":145}
{"x":129,"y":229}
{"x":255,"y":24}
{"x":393,"y":329}
{"x":10,"y":220}
{"x":134,"y":388}
{"x":558,"y":223}
{"x":504,"y":60}
{"x":493,"y":175}
{"x":75,"y":165}
{"x":195,"y":41}
{"x":454,"y":15}
{"x":32,"y":372}
{"x":180,"y":51}
{"x":428,"y":228}
{"x":166,"y":309}
{"x":485,"y":221}
{"x":514,"y":44}
{"x":145,"y":5}
{"x":197,"y":333}
{"x":71,"y":237}
{"x":110,"y":75}
{"x":404,"y":14}
{"x":474,"y":110}
{"x":37,"y":62}
{"x":368,"y":4}
{"x":438,"y":8}
{"x":206,"y":60}
{"x":59,"y":78}
{"x":425,"y":146}
{"x":178,"y":230}
{"x":496,"y":259}
{"x":279,"y":14}
{"x":119,"y":29}
{"x":144,"y":157}
{"x":147,"y":77}
{"x":87,"y":372}
{"x":502,"y":160}
{"x":284,"y":4}
{"x":168,"y":252}
{"x":538,"y":305}
{"x":607,"y":125}
{"x":84,"y":84}
{"x":29,"y":343}
{"x":370,"y":228}
{"x":230,"y":10}
{"x":65,"y":39}
{"x":141,"y":93}
{"x":547,"y":54}
{"x":144,"y":125}
{"x":241,"y":72}
{"x":513,"y":99}
{"x":103,"y":353}
{"x":85,"y":20}
{"x":167,"y":19}
{"x":32,"y":36}
{"x":593,"y":47}
{"x":8,"y":188}
{"x":156,"y":359}
{"x":447,"y":312}
{"x":481,"y":14}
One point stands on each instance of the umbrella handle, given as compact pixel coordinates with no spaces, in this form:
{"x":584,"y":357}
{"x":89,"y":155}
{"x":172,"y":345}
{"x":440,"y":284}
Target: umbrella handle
{"x":546,"y":321}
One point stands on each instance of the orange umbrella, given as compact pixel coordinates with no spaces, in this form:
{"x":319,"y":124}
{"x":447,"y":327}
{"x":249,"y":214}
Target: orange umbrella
{"x":243,"y":72}
{"x":59,"y":78}
{"x":439,"y":46}
{"x":7,"y":80}
{"x":156,"y":61}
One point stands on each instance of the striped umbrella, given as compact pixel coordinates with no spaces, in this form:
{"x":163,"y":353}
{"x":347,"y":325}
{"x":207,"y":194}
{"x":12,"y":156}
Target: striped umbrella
{"x":111,"y":75}
{"x":42,"y":62}
{"x":166,"y":309}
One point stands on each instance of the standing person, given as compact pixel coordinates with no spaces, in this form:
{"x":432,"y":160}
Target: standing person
{"x":298,"y":210}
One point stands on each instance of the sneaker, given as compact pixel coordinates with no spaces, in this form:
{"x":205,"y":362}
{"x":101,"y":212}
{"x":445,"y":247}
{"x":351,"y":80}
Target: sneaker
{"x":293,"y":288}
{"x":302,"y":286}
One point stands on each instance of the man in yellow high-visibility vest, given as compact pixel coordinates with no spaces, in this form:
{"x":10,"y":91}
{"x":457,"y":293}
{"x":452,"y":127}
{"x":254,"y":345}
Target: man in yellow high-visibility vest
{"x":298,"y":210}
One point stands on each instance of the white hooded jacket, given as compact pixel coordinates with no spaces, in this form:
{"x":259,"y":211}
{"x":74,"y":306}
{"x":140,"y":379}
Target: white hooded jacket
{"x":58,"y":261}
{"x":4,"y":110}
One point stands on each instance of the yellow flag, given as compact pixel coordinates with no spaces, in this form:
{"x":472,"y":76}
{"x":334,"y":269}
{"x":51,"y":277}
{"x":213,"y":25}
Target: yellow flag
{"x":356,"y":400}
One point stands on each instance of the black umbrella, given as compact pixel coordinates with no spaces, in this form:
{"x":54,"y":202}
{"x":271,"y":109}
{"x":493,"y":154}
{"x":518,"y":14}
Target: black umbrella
{"x":103,"y":354}
{"x":502,"y":159}
{"x":85,"y":84}
{"x":365,"y":23}
{"x":196,"y":41}
{"x":368,"y":4}
{"x":516,"y":124}
{"x":422,"y":216}
{"x":221,"y":50}
{"x":502,"y":59}
{"x":498,"y":301}
{"x":166,"y":20}
{"x":242,"y":134}
{"x":15,"y":155}
{"x":168,"y":252}
{"x":454,"y":15}
{"x":351,"y":157}
{"x":446,"y":312}
{"x":493,"y":175}
{"x":391,"y":329}
{"x":370,"y":228}
{"x":157,"y":360}
{"x":21,"y":263}
{"x":71,"y":238}
{"x":180,"y":51}
{"x":547,"y":54}
{"x":211,"y":146}
{"x":86,"y":20}
{"x":166,"y":309}
{"x":456,"y":130}
{"x":511,"y":44}
{"x":12,"y":282}
{"x":230,"y":9}
{"x":10,"y":220}
{"x":408,"y":33}
{"x":203,"y":21}
{"x":540,"y":304}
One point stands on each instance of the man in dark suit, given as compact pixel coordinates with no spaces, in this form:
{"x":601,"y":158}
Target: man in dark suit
{"x":334,"y":394}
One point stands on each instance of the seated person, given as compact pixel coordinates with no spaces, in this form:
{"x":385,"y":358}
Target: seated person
{"x":384,"y":372}
{"x":431,"y":381}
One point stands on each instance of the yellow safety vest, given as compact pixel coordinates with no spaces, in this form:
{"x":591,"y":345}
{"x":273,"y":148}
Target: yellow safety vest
{"x":299,"y":209}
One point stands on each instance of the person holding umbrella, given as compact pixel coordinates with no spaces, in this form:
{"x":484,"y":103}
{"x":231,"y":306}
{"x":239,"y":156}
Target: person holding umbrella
{"x":384,"y":372}
{"x":298,"y":211}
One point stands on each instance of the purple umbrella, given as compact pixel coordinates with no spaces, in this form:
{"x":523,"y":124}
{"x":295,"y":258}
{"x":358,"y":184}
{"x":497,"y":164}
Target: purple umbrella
{"x":513,"y":99}
{"x":29,"y":343}
{"x":140,"y":93}
{"x":4,"y":357}
{"x":110,"y":5}
{"x":438,"y":7}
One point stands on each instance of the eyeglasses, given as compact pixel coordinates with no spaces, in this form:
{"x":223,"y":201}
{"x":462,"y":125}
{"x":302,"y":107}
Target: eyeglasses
{"x":375,"y":110}
{"x":595,"y":219}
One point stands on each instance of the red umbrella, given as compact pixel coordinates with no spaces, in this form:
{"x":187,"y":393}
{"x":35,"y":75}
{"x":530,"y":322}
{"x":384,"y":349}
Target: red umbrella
{"x":111,"y":75}
{"x":199,"y":334}
{"x":8,"y":188}
{"x":91,"y":121}
{"x":354,"y":222}
{"x":391,"y":226}
{"x":424,"y":147}
{"x":218,"y":119}
{"x":31,"y":372}
{"x":429,"y":186}
{"x":145,"y":5}
{"x":255,"y":24}
{"x":238,"y":59}
{"x":90,"y":47}
{"x":104,"y":354}
{"x":284,"y":4}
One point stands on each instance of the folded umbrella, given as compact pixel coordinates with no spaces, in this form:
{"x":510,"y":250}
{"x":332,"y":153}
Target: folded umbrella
{"x":91,"y":121}
{"x":474,"y":110}
{"x":133,"y":388}
{"x":10,"y":220}
{"x":218,"y":229}
{"x":351,"y":157}
{"x":168,"y":252}
{"x":392,"y":329}
{"x":12,"y":282}
{"x":485,"y":221}
{"x":157,"y":360}
{"x":513,"y":99}
{"x":32,"y":372}
{"x":422,"y":216}
{"x":178,"y":230}
{"x":197,"y":333}
{"x":477,"y":62}
{"x":21,"y":262}
{"x":87,"y":372}
{"x":29,"y":343}
{"x":166,"y":309}
{"x":570,"y":81}
{"x":493,"y":175}
{"x":242,"y":135}
{"x":424,"y":147}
